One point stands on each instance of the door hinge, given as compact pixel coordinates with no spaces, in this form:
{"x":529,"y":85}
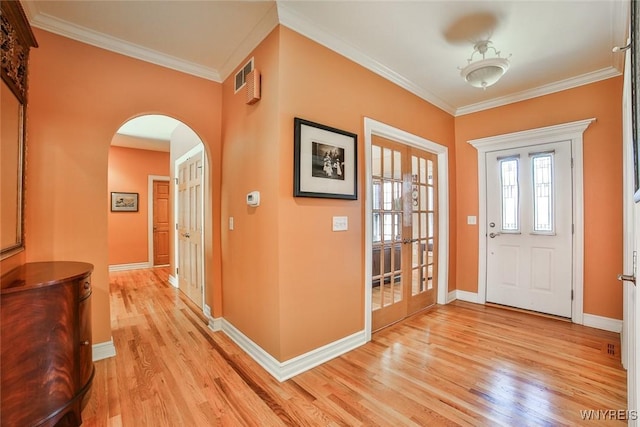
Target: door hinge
{"x":573,"y":229}
{"x":571,"y":294}
{"x":178,"y":272}
{"x":572,"y":163}
{"x":176,"y":181}
{"x":176,"y":225}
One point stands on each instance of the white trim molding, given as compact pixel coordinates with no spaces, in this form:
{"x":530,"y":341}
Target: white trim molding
{"x":103,"y":350}
{"x":559,"y":86}
{"x":132,"y":266}
{"x":215,"y":324}
{"x":300,"y":24}
{"x":282,"y":371}
{"x":573,"y":132}
{"x":373,"y":127}
{"x":173,"y":281}
{"x":465,"y":296}
{"x":604,"y":323}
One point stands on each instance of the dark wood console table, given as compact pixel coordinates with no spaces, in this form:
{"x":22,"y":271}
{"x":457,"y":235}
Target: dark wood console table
{"x":46,"y":365}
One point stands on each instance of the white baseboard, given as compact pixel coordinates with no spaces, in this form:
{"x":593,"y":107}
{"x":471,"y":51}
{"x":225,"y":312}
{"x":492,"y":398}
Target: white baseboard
{"x":452,"y":296}
{"x":590,"y":320}
{"x":103,"y":350}
{"x":215,"y":324}
{"x":284,"y":370}
{"x":604,"y":323}
{"x":464,"y":296}
{"x":173,"y":281}
{"x":125,"y":267}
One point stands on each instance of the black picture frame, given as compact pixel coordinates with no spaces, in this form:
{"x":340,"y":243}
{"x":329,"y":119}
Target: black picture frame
{"x":124,"y":202}
{"x":325,"y":161}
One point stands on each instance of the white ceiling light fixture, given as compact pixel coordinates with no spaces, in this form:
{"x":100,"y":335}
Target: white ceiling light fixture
{"x":486,"y":71}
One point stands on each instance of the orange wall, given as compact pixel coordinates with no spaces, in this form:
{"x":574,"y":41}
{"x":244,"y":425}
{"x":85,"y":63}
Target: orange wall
{"x":251,"y":160}
{"x":602,"y":182}
{"x":79,"y":96}
{"x":322,"y":293}
{"x":291,"y":284}
{"x":129,"y":171}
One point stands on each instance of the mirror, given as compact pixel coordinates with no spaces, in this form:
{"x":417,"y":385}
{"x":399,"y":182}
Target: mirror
{"x":11,"y":172}
{"x":17,"y":39}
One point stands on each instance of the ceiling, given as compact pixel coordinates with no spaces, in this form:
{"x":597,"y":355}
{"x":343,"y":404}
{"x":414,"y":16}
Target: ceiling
{"x":420,"y":45}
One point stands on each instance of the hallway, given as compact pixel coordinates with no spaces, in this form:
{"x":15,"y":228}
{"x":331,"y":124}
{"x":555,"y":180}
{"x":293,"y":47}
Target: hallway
{"x":460,"y":364}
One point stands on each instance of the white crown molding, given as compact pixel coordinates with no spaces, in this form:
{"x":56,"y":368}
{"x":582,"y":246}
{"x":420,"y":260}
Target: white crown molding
{"x":268,"y":22}
{"x":283,"y":14}
{"x":292,"y":20}
{"x":113,"y":44}
{"x":595,"y":76}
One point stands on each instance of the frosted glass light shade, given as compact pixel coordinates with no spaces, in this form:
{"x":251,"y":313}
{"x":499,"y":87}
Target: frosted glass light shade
{"x":485,"y":72}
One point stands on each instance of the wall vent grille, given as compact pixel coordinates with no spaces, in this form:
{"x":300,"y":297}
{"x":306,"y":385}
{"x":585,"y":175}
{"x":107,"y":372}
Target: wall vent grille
{"x":241,"y":76}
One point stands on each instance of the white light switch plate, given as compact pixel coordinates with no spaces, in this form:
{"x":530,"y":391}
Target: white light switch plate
{"x":472,"y":220}
{"x":340,"y":223}
{"x":230,"y":223}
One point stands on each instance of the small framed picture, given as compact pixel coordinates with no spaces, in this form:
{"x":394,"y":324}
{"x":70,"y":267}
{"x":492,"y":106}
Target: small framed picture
{"x":124,"y":202}
{"x":325,"y":161}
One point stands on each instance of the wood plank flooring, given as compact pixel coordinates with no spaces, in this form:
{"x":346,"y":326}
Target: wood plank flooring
{"x":459,"y":364}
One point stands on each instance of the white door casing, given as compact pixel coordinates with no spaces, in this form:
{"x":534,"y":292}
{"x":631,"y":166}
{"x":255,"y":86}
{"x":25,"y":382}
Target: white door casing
{"x":573,"y":132}
{"x":631,"y":242}
{"x":529,"y":257}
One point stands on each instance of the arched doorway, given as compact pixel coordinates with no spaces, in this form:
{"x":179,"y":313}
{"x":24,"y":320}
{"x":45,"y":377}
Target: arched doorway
{"x":142,"y":173}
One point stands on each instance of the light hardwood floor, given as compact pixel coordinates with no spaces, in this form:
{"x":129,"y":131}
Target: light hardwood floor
{"x":460,"y":364}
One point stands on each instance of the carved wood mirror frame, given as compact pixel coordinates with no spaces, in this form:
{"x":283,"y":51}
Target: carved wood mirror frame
{"x":16,"y":39}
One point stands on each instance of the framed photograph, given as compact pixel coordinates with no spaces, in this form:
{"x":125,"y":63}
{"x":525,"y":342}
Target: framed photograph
{"x":124,"y":202}
{"x":325,"y":161}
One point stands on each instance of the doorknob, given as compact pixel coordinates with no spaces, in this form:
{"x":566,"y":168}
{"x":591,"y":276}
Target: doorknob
{"x":627,"y":278}
{"x":494,"y":235}
{"x":187,"y":235}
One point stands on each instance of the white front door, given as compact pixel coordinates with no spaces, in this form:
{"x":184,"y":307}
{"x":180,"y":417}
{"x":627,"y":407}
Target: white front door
{"x":190,"y":215}
{"x":529,"y":228}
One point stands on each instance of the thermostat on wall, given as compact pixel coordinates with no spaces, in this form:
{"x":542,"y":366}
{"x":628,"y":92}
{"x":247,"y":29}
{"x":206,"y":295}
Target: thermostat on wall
{"x":253,"y":198}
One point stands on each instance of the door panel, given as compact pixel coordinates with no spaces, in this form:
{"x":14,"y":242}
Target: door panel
{"x":529,"y":214}
{"x":423,"y":229}
{"x":160,"y":223}
{"x":404,"y":240}
{"x":190,"y":228}
{"x":388,"y":302}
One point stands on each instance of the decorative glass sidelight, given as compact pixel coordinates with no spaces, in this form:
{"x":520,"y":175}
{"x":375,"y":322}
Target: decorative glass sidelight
{"x":510,"y":194}
{"x":542,"y":167}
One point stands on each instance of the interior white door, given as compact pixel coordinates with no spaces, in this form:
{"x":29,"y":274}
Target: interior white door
{"x":529,"y":226}
{"x":190,"y":215}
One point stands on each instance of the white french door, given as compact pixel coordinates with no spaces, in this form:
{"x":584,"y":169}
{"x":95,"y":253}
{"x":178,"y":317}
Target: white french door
{"x":404,"y":248}
{"x":529,"y":228}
